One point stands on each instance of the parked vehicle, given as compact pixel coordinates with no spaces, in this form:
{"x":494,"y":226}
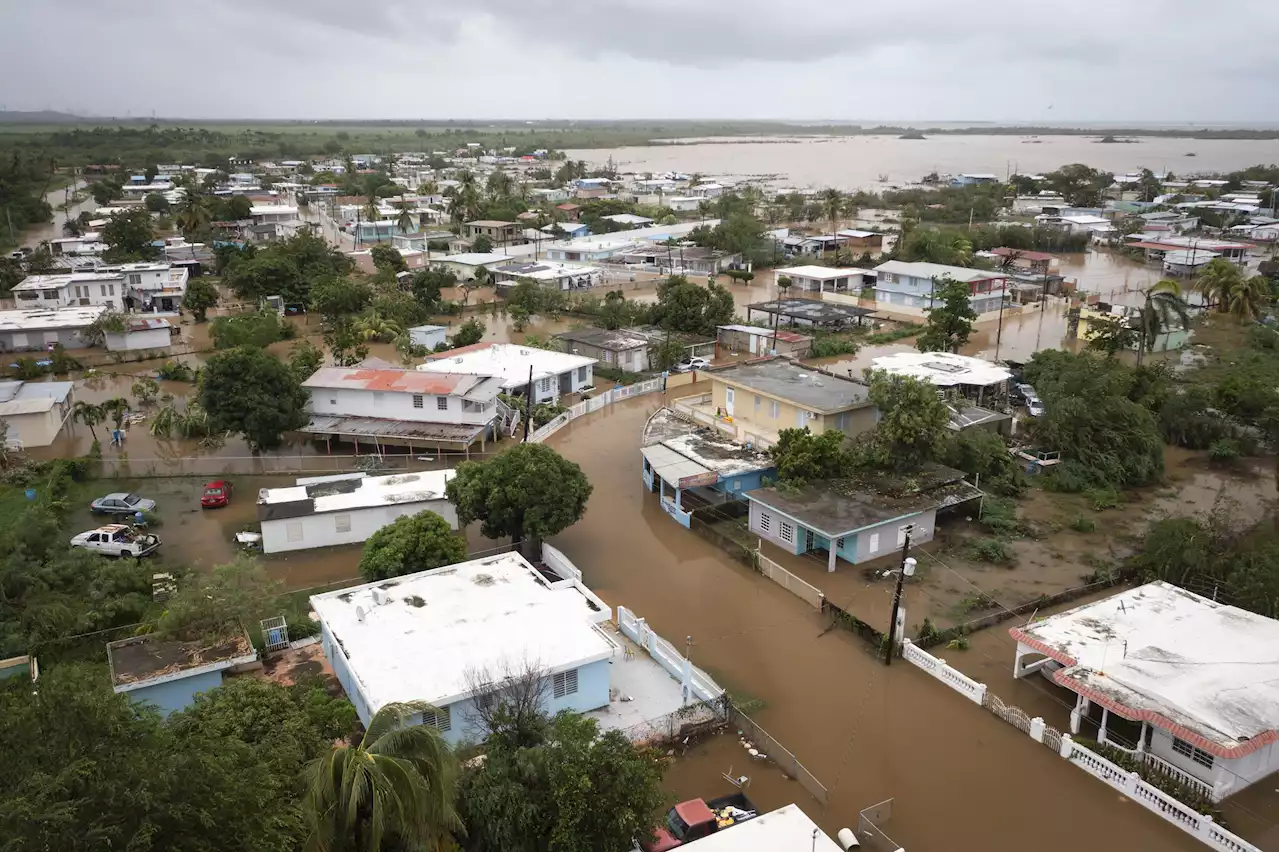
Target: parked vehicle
{"x":688,"y":364}
{"x":117,"y":540}
{"x":216,"y":493}
{"x":697,"y":818}
{"x":121,"y":503}
{"x":1023,"y":392}
{"x":1035,"y":407}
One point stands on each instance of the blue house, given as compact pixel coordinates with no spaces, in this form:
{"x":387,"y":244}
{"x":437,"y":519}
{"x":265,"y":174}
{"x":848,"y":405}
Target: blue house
{"x":570,"y":229}
{"x":974,"y":179}
{"x":903,"y":287}
{"x":692,"y":466}
{"x":857,"y":520}
{"x":170,"y":674}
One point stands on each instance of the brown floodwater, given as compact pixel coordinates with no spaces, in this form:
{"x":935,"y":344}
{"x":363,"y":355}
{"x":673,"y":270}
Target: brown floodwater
{"x":858,"y":162}
{"x":960,"y":777}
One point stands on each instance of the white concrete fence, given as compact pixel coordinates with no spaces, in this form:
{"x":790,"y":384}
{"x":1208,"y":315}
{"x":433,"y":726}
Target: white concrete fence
{"x":594,"y":404}
{"x":700,"y":684}
{"x":1128,"y":783}
{"x":805,"y":591}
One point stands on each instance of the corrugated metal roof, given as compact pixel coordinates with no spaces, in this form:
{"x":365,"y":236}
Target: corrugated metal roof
{"x":482,"y":388}
{"x":377,"y":427}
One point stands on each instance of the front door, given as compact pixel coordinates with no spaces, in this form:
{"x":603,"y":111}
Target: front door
{"x":728,"y":401}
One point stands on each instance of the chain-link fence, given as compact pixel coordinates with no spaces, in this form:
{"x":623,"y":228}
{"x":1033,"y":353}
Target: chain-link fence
{"x":770,"y":748}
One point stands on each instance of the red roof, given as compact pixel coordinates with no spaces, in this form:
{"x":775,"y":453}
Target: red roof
{"x":1005,"y":251}
{"x":405,"y":381}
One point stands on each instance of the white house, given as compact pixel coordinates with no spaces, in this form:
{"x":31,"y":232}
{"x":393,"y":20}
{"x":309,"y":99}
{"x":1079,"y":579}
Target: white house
{"x":442,"y":636}
{"x":34,"y":412}
{"x":429,"y":336}
{"x":323,"y":511}
{"x":1192,"y":681}
{"x":945,"y":369}
{"x":88,"y":243}
{"x":39,"y":329}
{"x":907,"y":288}
{"x":551,"y":373}
{"x":442,"y":410}
{"x":280,"y":221}
{"x":828,"y":278}
{"x":465,"y":264}
{"x":106,"y":288}
{"x":788,"y":829}
{"x":152,"y":287}
{"x":554,"y":276}
{"x":140,"y":333}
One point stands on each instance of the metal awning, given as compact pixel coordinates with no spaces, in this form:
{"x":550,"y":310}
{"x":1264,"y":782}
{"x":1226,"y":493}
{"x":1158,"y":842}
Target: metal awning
{"x":673,"y":467}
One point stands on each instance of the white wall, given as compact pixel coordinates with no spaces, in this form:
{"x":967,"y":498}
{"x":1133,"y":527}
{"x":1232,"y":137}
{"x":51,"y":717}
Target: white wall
{"x":151,"y":338}
{"x":34,"y":430}
{"x":396,"y":405}
{"x":1226,"y":775}
{"x":321,"y":530}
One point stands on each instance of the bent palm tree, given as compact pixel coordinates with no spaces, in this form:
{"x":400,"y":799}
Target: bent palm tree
{"x":1216,"y":281}
{"x":399,"y":781}
{"x":1246,"y":298}
{"x":832,"y":201}
{"x":1162,"y":305}
{"x":88,"y":414}
{"x":404,"y":222}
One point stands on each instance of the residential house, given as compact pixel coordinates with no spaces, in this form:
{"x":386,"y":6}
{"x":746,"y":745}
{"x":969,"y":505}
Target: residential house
{"x":1186,"y":263}
{"x":95,"y":288}
{"x":34,"y":412}
{"x":554,"y":276}
{"x":820,"y":279}
{"x":592,"y":187}
{"x":681,"y":260}
{"x":1087,"y":317}
{"x":1047,"y":202}
{"x":755,"y":340}
{"x":429,"y":336}
{"x":693,"y":466}
{"x":974,"y":179}
{"x":857,"y":519}
{"x":695,"y":345}
{"x":40,"y":329}
{"x":966,"y":376}
{"x":551,"y":374}
{"x":466,"y":264}
{"x":566,"y":230}
{"x":169,"y":674}
{"x":589,"y":249}
{"x":570,"y":210}
{"x":908,"y":288}
{"x":275,"y":221}
{"x":1181,"y":683}
{"x":1036,"y":263}
{"x":481,"y":621}
{"x":499,"y":233}
{"x":1156,"y":248}
{"x":152,"y":287}
{"x":787,"y":829}
{"x":755,"y":400}
{"x":683,"y":203}
{"x":140,"y":333}
{"x":89,"y":243}
{"x":629,"y":220}
{"x":324,"y":511}
{"x":613,"y":348}
{"x":406,"y":408}
{"x":856,"y":239}
{"x":549,"y":195}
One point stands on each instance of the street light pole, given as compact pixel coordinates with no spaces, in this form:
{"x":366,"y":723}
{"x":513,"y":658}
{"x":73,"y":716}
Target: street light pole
{"x":528,"y":404}
{"x":906,"y":570}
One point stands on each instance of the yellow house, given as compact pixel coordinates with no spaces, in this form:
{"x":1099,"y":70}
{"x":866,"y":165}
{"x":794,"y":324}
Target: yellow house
{"x":755,"y":400}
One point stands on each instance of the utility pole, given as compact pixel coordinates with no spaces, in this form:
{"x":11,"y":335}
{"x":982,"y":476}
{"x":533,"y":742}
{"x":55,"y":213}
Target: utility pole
{"x":907,"y":568}
{"x":528,"y":405}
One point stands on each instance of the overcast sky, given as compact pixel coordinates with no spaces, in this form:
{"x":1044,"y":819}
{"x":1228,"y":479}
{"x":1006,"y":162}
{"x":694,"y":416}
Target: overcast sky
{"x":906,"y":60}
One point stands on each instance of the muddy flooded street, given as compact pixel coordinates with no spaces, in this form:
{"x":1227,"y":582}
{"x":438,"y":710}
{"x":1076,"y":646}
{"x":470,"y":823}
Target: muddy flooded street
{"x":959,"y":776}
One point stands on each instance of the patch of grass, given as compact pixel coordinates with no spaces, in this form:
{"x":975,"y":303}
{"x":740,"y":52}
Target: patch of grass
{"x":1001,"y":518}
{"x":1082,"y":524}
{"x":908,"y":330}
{"x":960,"y":643}
{"x":991,"y":550}
{"x":978,"y":602}
{"x":1102,"y":498}
{"x":1224,"y":450}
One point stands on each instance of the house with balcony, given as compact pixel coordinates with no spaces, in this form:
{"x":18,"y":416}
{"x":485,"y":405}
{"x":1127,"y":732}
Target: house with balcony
{"x":152,"y":287}
{"x":81,"y":289}
{"x":823,"y":279}
{"x":404,"y":408}
{"x":753,"y":401}
{"x":275,"y":221}
{"x":860,"y":518}
{"x":499,"y":233}
{"x":1182,"y":683}
{"x":517,"y":368}
{"x":452,"y":635}
{"x":903,"y":287}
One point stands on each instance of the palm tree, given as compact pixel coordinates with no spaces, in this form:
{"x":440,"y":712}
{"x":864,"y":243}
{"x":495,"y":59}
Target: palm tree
{"x":832,"y":201}
{"x":398,"y":781}
{"x":88,"y":414}
{"x":193,"y":217}
{"x":404,"y":222}
{"x":374,"y":326}
{"x":1247,"y":297}
{"x":116,"y":408}
{"x":1216,"y":281}
{"x":1162,"y":304}
{"x":963,"y":250}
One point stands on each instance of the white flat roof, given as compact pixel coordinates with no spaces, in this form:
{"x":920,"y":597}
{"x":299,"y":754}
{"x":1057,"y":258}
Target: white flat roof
{"x":474,"y":258}
{"x":371,"y":491}
{"x":49,"y":282}
{"x":825,"y":273}
{"x":671,"y":466}
{"x":507,"y":361}
{"x":268,"y":209}
{"x":788,"y":829}
{"x":935,"y":270}
{"x":473,"y":615}
{"x":41,"y":319}
{"x":1206,"y":668}
{"x":943,"y":368}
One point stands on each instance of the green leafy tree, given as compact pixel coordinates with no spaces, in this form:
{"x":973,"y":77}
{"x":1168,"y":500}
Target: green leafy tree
{"x":950,"y":319}
{"x":688,"y":307}
{"x":104,"y":191}
{"x":912,"y":425}
{"x":395,"y":789}
{"x":157,"y":203}
{"x":526,"y":493}
{"x":1111,"y":335}
{"x":129,"y":236}
{"x":257,"y":329}
{"x":616,"y":312}
{"x":239,"y":208}
{"x":469,"y":333}
{"x":1247,"y":299}
{"x":800,"y":456}
{"x":305,"y":359}
{"x":202,"y":294}
{"x":145,"y":390}
{"x":410,"y":544}
{"x":482,"y":245}
{"x":1163,"y":308}
{"x":666,"y":354}
{"x":250,"y":392}
{"x":338,"y":297}
{"x":578,"y":790}
{"x":1216,"y":281}
{"x":387,"y":258}
{"x":426,"y":285}
{"x":346,"y":342}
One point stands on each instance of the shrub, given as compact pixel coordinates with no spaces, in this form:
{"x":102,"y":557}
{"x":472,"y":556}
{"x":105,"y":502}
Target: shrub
{"x":1102,"y":498}
{"x":991,"y":550}
{"x":1224,"y":450}
{"x":1083,"y":524}
{"x":826,"y":346}
{"x":1001,"y":517}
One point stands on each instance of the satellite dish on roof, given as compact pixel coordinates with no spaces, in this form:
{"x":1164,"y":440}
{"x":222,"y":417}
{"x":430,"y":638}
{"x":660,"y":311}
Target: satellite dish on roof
{"x":359,"y":613}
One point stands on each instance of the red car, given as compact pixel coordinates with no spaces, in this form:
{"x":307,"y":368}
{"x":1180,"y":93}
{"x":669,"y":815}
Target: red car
{"x":215,"y":494}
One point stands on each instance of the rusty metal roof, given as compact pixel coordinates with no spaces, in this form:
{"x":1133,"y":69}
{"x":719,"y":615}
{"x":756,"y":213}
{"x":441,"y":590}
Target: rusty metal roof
{"x":479,"y":388}
{"x":463,"y":434}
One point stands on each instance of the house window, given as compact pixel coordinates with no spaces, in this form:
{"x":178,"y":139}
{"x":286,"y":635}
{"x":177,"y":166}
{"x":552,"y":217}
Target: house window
{"x":802,"y":418}
{"x":111,"y":289}
{"x":774,"y":409}
{"x":765,"y":521}
{"x":840,"y":544}
{"x":293,"y":531}
{"x":564,"y":683}
{"x":737,"y":485}
{"x":417,"y":400}
{"x":582,"y":373}
{"x":874,"y":544}
{"x":342,"y":523}
{"x":442,"y":403}
{"x":545,"y":385}
{"x":786,"y":532}
{"x":757,"y":402}
{"x":332,"y":401}
{"x":135,"y":279}
{"x":1186,"y":749}
{"x":103,"y":288}
{"x":842,"y":421}
{"x":440,"y":719}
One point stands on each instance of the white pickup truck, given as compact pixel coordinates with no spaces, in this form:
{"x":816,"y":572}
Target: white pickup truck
{"x":117,"y":540}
